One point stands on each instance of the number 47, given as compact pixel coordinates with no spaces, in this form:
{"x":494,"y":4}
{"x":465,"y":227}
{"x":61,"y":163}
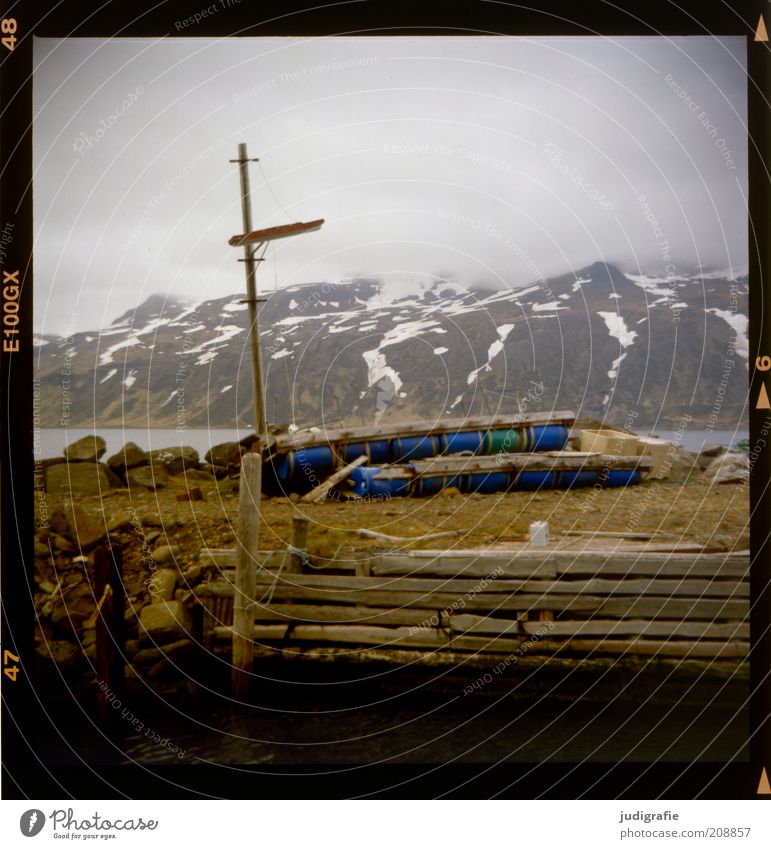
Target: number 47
{"x":10,"y":671}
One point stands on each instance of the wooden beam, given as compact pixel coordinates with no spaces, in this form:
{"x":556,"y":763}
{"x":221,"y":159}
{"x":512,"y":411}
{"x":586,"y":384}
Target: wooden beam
{"x":308,"y":438}
{"x":246,"y":574}
{"x":443,"y":466}
{"x":549,"y":563}
{"x":320,"y":492}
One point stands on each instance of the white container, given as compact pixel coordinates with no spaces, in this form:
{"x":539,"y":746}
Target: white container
{"x":539,"y":534}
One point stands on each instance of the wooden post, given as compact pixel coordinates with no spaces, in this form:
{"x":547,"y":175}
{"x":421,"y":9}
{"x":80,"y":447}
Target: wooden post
{"x":110,"y":627}
{"x":246,"y":573}
{"x":299,"y":541}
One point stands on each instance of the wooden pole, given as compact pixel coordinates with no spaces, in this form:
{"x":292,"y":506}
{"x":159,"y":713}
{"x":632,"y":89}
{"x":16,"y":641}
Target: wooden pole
{"x":246,"y":573}
{"x":299,"y":541}
{"x":251,"y":294}
{"x":110,"y":627}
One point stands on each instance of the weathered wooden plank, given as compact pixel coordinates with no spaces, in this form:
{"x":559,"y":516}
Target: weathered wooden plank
{"x":631,"y":627}
{"x":307,"y":438}
{"x":550,"y":563}
{"x":322,"y":490}
{"x":316,"y":613}
{"x":646,"y":648}
{"x":394,"y":638}
{"x":704,"y":609}
{"x":537,"y":462}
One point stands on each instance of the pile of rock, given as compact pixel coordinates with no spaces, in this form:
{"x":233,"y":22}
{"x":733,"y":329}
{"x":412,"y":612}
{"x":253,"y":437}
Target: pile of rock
{"x":81,"y":471}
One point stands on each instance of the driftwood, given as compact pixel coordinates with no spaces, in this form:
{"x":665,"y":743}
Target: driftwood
{"x":364,"y":532}
{"x":322,"y":490}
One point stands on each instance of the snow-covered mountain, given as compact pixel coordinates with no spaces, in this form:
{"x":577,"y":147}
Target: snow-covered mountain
{"x":598,"y":342}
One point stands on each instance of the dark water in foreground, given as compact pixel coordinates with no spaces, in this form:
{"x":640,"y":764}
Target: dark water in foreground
{"x":344,"y":724}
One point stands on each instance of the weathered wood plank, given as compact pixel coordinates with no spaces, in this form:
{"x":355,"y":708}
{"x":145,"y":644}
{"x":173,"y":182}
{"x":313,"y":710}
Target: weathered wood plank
{"x":317,"y":613}
{"x":633,"y":627}
{"x":537,"y":462}
{"x":392,"y":638}
{"x":308,"y":438}
{"x":226,"y":557}
{"x":322,"y":490}
{"x":550,"y":563}
{"x":703,"y":609}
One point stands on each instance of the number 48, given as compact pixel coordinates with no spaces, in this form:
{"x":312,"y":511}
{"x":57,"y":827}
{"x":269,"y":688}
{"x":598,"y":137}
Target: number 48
{"x":8,"y":29}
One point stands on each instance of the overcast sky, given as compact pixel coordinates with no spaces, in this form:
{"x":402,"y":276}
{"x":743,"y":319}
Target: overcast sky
{"x":493,"y":160}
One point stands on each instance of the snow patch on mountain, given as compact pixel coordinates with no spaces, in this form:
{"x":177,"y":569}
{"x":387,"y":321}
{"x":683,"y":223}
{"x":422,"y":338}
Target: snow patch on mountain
{"x":740,"y":325}
{"x":492,"y":352}
{"x":617,"y":328}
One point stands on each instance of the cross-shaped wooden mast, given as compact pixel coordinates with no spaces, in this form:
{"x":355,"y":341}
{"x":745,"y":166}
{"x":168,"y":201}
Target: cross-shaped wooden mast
{"x":252,"y":242}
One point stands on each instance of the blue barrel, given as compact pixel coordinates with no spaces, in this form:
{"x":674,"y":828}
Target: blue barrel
{"x":530,"y":481}
{"x":464,"y":440}
{"x":576,"y":479}
{"x":366,"y":484}
{"x":405,"y":448}
{"x":485,"y":482}
{"x":544,"y":438}
{"x":622,"y":477}
{"x":430,"y":486}
{"x":376,"y":451}
{"x":305,"y":463}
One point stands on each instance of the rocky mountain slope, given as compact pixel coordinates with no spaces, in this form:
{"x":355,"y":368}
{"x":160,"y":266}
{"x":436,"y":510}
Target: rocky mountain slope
{"x":598,"y":342}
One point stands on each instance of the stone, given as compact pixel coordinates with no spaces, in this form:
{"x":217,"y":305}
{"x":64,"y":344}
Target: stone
{"x":148,"y":657}
{"x":192,"y":494}
{"x":129,"y":457}
{"x":151,"y":520}
{"x":120,"y":521}
{"x":46,"y":587}
{"x":193,"y":574}
{"x":165,"y":622}
{"x":162,"y":584}
{"x":712,"y":450}
{"x":194,"y":476}
{"x":219,"y":472}
{"x":132,"y":647}
{"x":81,"y":527}
{"x":116,"y":482}
{"x":731,"y":467}
{"x":41,"y":549}
{"x":249,"y":440}
{"x":175,"y":460}
{"x":228,"y":486}
{"x":151,"y":477}
{"x":81,"y":478}
{"x":86,"y":450}
{"x":166,"y":553}
{"x":152,"y":536}
{"x":62,"y":544}
{"x":677,"y":465}
{"x":225,"y":454}
{"x":450,"y":491}
{"x":62,"y":653}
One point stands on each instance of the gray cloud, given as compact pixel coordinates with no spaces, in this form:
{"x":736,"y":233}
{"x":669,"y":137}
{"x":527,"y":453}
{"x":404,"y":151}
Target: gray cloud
{"x":494,"y":160}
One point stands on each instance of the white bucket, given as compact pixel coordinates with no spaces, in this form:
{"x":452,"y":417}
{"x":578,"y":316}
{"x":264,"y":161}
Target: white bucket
{"x":539,"y":534}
